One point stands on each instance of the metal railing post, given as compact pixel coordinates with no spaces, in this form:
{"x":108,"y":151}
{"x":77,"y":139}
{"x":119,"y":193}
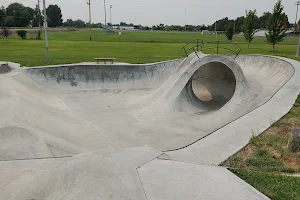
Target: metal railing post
{"x":201,"y":43}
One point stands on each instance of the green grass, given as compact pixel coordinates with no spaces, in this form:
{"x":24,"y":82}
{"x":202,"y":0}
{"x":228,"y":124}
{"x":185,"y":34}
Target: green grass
{"x":276,"y":187}
{"x":32,"y":52}
{"x":132,"y":47}
{"x":266,"y":156}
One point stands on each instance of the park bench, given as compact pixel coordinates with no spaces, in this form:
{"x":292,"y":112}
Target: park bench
{"x":105,"y":59}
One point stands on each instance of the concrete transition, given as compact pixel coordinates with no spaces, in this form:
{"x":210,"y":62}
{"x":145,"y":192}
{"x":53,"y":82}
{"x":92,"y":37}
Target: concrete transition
{"x":153,"y":131}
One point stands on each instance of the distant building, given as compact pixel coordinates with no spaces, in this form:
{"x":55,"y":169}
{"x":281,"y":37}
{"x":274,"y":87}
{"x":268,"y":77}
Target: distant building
{"x":206,"y":32}
{"x":129,"y":28}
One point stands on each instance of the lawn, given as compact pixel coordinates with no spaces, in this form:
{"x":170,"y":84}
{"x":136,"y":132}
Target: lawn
{"x":266,"y":160}
{"x":132,"y":47}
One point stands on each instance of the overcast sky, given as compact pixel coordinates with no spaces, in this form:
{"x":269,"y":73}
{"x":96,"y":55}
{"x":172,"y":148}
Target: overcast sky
{"x":170,"y":12}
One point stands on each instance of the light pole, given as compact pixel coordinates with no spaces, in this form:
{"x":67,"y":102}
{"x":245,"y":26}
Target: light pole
{"x":90,"y":18}
{"x":40,"y":27}
{"x":105,"y":13}
{"x":110,"y":15}
{"x":46,"y":32}
{"x":297,"y":4}
{"x":233,"y":26}
{"x":216,"y":30}
{"x":298,"y":49}
{"x":185,"y":20}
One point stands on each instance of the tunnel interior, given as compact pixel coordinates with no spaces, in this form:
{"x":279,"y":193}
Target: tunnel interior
{"x":213,"y":85}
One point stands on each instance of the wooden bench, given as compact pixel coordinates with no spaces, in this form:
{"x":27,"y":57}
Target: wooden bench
{"x":105,"y":59}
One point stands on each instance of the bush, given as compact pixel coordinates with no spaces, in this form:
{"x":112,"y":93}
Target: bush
{"x":5,"y":32}
{"x":22,"y":34}
{"x":229,"y":33}
{"x":38,"y":37}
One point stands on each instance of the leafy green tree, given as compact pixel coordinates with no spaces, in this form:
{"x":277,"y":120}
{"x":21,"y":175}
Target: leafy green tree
{"x":79,"y":24}
{"x":189,"y":28}
{"x":277,"y":25}
{"x":22,"y":34}
{"x":2,"y":15}
{"x":167,"y":28}
{"x":22,"y":15}
{"x":239,"y":24}
{"x":249,"y":26}
{"x":263,"y":20}
{"x":9,"y":21}
{"x":123,"y":24}
{"x":54,"y":16}
{"x":38,"y":18}
{"x":75,"y":24}
{"x":229,"y":33}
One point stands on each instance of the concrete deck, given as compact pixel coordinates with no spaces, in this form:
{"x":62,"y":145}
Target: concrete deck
{"x":152,"y":131}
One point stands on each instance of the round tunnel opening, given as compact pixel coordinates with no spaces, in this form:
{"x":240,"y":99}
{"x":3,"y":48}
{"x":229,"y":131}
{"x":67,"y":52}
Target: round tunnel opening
{"x":213,"y":84}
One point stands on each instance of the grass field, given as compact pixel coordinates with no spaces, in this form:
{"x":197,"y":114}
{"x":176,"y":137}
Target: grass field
{"x":263,"y":161}
{"x":132,"y":47}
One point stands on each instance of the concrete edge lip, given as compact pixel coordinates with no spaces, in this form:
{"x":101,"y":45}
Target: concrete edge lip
{"x":102,"y":64}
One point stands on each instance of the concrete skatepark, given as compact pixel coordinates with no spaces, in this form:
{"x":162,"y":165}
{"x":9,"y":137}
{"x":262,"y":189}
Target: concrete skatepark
{"x":152,"y":131}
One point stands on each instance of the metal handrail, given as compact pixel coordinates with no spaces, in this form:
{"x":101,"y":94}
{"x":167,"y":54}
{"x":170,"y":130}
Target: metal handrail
{"x":200,"y":44}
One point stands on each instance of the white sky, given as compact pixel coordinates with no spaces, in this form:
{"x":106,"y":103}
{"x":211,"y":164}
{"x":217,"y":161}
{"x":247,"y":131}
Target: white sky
{"x":170,"y":12}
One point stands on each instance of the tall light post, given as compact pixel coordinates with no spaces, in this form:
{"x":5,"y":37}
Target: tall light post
{"x":216,"y":30}
{"x":298,"y":49}
{"x":105,"y":13}
{"x":185,"y":20}
{"x":46,"y":32}
{"x":90,"y":18}
{"x":297,"y":4}
{"x":38,"y":5}
{"x":110,"y":14}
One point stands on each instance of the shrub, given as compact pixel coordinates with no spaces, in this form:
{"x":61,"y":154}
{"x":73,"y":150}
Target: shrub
{"x":38,"y":37}
{"x":22,"y":34}
{"x":5,"y":32}
{"x":229,"y":33}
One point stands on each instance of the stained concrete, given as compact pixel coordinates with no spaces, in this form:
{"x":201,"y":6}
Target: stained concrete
{"x":105,"y":124}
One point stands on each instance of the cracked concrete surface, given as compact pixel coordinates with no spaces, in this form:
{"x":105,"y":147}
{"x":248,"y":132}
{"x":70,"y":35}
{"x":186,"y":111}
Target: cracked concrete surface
{"x":152,"y":131}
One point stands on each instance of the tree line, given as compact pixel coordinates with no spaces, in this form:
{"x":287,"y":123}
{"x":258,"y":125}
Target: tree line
{"x":18,"y":15}
{"x":276,"y":23}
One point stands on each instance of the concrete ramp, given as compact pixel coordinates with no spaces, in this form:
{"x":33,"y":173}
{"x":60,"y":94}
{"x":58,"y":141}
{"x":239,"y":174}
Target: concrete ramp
{"x":78,"y":117}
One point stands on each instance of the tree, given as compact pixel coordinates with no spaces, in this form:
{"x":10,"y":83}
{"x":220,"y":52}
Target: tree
{"x":54,"y":16}
{"x":9,"y":21}
{"x":229,"y":33}
{"x":22,"y":15}
{"x":37,"y":18}
{"x":263,"y":20}
{"x":79,"y":24}
{"x":249,"y":26}
{"x":123,"y":24}
{"x":76,"y":24}
{"x":5,"y":32}
{"x":277,"y":25}
{"x":22,"y":34}
{"x":2,"y":15}
{"x":239,"y":24}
